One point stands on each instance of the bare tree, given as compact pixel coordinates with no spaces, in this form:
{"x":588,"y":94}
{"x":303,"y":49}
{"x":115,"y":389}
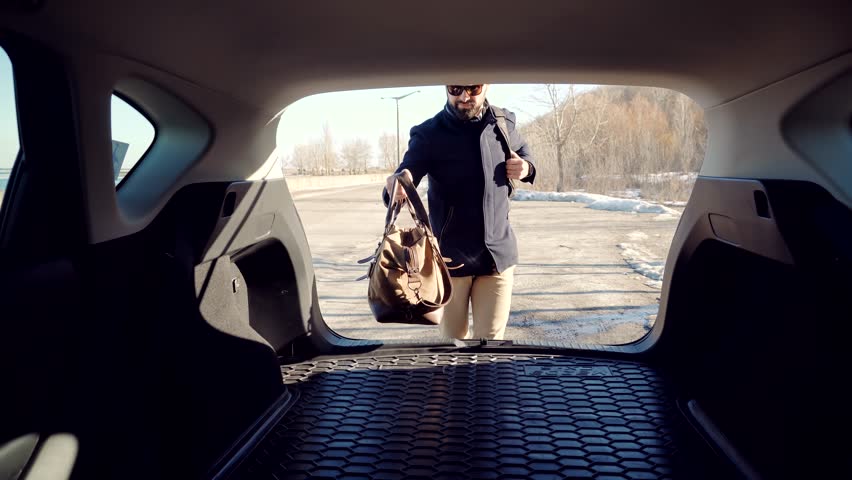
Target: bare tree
{"x":299,"y":159}
{"x":355,"y":154}
{"x":558,"y":127}
{"x":309,"y":157}
{"x":387,"y":149}
{"x":329,"y":156}
{"x":598,"y":118}
{"x":691,"y":132}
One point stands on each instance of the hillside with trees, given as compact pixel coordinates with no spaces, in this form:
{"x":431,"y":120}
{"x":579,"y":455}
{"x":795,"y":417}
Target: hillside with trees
{"x":614,"y":139}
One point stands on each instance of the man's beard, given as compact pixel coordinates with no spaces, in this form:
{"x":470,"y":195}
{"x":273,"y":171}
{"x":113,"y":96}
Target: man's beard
{"x":466,"y":114}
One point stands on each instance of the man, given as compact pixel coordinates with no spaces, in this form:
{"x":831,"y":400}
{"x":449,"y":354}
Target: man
{"x":461,"y":151}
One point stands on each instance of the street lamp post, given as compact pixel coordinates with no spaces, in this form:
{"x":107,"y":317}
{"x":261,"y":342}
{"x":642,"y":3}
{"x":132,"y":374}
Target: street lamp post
{"x":397,"y":99}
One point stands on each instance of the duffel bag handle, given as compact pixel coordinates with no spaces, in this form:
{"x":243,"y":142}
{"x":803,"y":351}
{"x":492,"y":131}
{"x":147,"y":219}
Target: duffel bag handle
{"x":414,"y":201}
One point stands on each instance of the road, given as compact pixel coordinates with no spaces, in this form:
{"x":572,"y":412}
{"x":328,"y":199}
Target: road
{"x":572,"y":282}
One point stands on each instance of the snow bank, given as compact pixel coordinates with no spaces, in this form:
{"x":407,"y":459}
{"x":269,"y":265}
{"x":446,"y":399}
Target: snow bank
{"x":596,"y":202}
{"x":629,"y":205}
{"x":629,"y":193}
{"x":648,"y":177}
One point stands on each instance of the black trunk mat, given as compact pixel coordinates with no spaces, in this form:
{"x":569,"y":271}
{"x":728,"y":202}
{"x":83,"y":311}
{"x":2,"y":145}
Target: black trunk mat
{"x":480,"y":416}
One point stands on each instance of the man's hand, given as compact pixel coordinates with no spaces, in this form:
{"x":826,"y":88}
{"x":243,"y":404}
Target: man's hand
{"x":400,"y":193}
{"x":516,"y":167}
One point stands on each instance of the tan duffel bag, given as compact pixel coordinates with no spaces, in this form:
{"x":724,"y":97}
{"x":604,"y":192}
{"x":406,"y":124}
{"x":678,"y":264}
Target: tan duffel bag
{"x":409,"y":280}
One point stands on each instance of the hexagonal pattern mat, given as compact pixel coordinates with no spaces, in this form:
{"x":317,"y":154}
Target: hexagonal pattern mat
{"x":479,"y":416}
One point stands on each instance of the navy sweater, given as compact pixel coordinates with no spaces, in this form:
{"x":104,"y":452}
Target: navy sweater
{"x":468,"y":188}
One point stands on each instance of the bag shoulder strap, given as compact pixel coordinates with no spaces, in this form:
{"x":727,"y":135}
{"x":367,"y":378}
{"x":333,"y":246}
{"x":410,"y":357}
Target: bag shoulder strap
{"x":503,"y":128}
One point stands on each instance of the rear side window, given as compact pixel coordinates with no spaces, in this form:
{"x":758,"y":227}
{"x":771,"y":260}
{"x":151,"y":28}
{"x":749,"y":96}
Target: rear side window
{"x":132,"y":134}
{"x":9,"y":141}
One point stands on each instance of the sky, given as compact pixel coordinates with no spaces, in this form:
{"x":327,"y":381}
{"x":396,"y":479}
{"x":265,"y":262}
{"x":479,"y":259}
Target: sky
{"x":350,"y":115}
{"x":130,"y":126}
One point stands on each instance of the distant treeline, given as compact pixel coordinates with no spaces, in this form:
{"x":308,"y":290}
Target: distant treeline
{"x":608,"y":139}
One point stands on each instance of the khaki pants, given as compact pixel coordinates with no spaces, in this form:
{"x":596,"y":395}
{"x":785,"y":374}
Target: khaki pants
{"x":491,"y":298}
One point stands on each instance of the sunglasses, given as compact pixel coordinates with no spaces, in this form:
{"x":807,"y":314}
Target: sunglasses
{"x":472,"y":90}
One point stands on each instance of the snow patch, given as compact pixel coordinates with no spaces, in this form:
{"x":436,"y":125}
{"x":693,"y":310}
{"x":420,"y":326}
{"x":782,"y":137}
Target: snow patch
{"x":572,"y":329}
{"x":668,"y":176}
{"x":640,"y":261}
{"x":596,"y":202}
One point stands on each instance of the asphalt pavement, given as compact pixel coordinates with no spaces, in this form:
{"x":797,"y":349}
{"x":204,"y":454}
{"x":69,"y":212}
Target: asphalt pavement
{"x":572,"y":282}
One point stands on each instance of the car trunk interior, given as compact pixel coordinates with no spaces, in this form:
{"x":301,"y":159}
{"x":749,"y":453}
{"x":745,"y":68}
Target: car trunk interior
{"x":174,"y":328}
{"x":741,"y":382}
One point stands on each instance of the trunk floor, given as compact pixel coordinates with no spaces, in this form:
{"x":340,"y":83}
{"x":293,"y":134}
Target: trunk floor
{"x":480,"y":416}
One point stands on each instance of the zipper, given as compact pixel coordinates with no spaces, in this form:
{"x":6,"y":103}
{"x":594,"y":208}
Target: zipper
{"x":446,"y":224}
